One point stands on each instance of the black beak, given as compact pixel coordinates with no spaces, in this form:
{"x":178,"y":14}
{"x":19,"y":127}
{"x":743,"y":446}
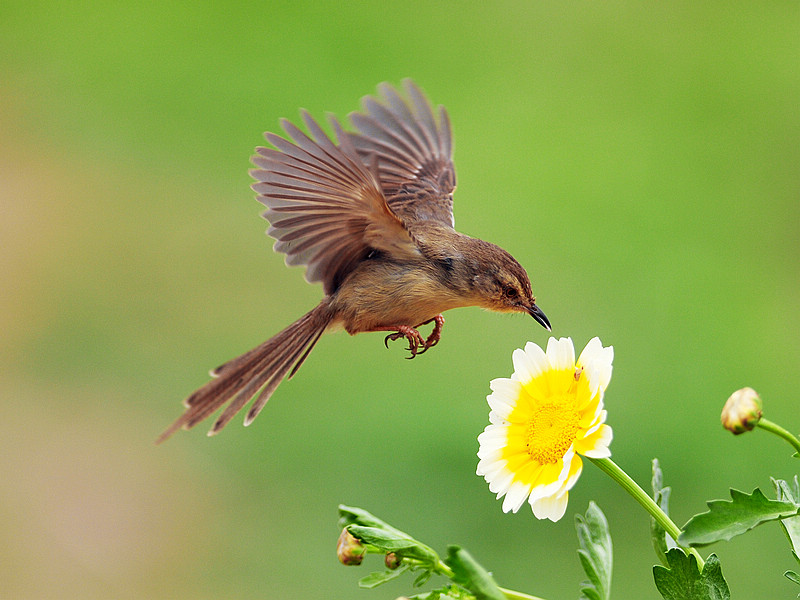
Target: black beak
{"x":537,"y":314}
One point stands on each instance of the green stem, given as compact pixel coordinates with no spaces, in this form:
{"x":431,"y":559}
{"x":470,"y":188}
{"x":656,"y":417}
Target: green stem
{"x":443,"y":569}
{"x":610,"y":468}
{"x":768,"y":425}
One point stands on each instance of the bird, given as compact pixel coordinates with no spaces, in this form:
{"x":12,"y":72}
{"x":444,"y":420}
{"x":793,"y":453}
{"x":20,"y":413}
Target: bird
{"x":370,"y":215}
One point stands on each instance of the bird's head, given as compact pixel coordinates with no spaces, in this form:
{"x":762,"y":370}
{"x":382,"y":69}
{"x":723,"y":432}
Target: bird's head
{"x":500,"y":283}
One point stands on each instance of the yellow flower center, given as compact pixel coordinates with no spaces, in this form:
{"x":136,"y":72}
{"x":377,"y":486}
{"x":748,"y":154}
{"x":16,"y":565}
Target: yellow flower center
{"x":551,"y":430}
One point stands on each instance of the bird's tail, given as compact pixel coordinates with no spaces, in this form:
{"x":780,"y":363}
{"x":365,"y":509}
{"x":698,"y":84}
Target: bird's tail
{"x":258,"y":371}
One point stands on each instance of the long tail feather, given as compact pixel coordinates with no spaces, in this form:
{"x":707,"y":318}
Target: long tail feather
{"x":254,"y":373}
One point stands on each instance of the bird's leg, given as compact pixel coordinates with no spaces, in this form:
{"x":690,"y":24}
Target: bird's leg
{"x":436,"y":334}
{"x":413,"y":336}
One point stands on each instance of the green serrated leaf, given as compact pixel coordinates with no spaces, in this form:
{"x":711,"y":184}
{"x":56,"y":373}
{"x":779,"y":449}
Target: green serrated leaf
{"x":790,"y":525}
{"x":684,"y":581}
{"x":595,"y":553}
{"x":375,"y":579}
{"x":662,"y":542}
{"x":471,"y":575}
{"x":729,"y":518}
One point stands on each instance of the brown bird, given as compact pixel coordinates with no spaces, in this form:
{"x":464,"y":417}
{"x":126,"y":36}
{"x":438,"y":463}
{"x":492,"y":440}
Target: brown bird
{"x":371,"y":217}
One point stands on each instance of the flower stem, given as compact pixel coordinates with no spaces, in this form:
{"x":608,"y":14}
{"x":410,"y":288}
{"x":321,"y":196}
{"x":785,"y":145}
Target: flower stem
{"x":768,"y":425}
{"x":611,"y":469}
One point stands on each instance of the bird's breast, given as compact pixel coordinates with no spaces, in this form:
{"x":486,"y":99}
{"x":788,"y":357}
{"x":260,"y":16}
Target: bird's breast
{"x":381,"y":293}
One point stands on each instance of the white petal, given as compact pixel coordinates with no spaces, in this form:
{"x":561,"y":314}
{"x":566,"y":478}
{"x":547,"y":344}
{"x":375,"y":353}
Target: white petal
{"x":538,"y":362}
{"x":561,"y":353}
{"x":490,"y":469}
{"x":591,"y":352}
{"x":505,"y":389}
{"x":601,"y":448}
{"x":490,"y":454}
{"x":524,"y":369}
{"x":516,"y":496}
{"x":599,"y":452}
{"x":494,"y":436}
{"x":598,"y":364}
{"x":551,"y":507}
{"x":500,"y":484}
{"x":498,"y":420}
{"x":500,"y":405}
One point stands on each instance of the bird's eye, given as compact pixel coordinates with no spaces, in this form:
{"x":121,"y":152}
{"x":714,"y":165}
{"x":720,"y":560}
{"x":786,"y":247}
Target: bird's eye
{"x":511,"y":292}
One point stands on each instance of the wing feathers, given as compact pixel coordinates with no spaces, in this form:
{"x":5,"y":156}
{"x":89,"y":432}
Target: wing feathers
{"x":413,"y":151}
{"x":324,"y":204}
{"x":330,"y":203}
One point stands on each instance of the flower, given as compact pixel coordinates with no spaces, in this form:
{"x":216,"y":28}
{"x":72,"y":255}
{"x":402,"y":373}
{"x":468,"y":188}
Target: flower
{"x":742,"y":411}
{"x":542,"y":419}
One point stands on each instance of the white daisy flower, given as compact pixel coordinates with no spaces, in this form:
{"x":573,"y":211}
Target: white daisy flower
{"x":542,"y":420}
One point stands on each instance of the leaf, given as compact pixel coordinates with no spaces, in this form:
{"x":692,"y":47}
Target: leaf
{"x":393,"y":541}
{"x":422,"y":578}
{"x":792,"y":576}
{"x":790,"y":525}
{"x":661,"y":540}
{"x":595,"y":553}
{"x":352,"y":515}
{"x":471,"y":575}
{"x":379,"y":577}
{"x":726,"y":519}
{"x":448,"y":592}
{"x":373,"y":531}
{"x":384,"y":538}
{"x":684,"y":581}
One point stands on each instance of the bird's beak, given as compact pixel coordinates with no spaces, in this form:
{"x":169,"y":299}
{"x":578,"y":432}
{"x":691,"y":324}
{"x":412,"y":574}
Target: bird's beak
{"x":537,"y":314}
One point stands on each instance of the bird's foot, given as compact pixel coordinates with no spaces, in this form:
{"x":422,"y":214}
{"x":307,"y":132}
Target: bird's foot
{"x":415,"y":339}
{"x":416,"y":343}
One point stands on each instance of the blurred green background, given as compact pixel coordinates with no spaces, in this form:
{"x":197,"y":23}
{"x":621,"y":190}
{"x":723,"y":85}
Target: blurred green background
{"x":642,"y":160}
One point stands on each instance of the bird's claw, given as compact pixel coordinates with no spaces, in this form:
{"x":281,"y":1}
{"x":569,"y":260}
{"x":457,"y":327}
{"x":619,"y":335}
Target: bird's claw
{"x":416,"y":343}
{"x":413,"y":336}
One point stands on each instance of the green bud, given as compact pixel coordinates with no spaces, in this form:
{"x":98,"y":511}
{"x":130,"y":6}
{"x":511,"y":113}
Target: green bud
{"x":742,"y":411}
{"x":349,"y":549}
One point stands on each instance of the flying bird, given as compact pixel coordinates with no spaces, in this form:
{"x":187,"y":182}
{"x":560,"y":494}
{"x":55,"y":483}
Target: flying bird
{"x":370,"y":215}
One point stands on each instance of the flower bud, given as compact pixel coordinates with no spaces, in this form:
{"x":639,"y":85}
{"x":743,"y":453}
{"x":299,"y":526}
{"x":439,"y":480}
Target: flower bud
{"x":349,"y":549}
{"x":392,"y":561}
{"x":742,"y":411}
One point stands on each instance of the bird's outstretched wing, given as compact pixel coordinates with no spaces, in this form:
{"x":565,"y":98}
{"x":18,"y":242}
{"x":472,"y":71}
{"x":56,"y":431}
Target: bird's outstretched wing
{"x":324,"y":204}
{"x":414,"y":152}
